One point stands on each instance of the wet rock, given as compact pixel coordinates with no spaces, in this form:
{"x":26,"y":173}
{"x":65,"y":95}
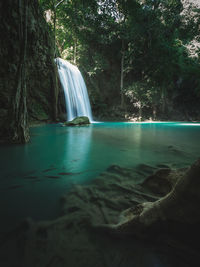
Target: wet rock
{"x":162,"y":166}
{"x":158,"y":182}
{"x":118,"y":170}
{"x":3,"y":113}
{"x":78,"y":121}
{"x":40,"y":68}
{"x":163,"y":180}
{"x":146,"y":169}
{"x":175,"y":150}
{"x":72,"y":239}
{"x":42,"y":232}
{"x":114,"y":168}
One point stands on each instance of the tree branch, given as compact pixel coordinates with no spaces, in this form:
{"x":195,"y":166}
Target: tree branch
{"x":59,"y":3}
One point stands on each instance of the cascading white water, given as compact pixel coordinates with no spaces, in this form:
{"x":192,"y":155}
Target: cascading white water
{"x":76,"y":96}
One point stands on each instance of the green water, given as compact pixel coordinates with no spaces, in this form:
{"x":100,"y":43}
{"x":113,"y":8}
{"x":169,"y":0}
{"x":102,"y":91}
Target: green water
{"x":34,"y":176}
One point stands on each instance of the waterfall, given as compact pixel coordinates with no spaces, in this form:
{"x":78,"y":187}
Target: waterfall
{"x":76,"y":96}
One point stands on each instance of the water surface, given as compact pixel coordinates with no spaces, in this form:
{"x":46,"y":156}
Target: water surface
{"x":34,"y":176}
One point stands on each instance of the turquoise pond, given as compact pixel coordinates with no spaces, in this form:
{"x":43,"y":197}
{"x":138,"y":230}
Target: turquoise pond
{"x":34,"y":176}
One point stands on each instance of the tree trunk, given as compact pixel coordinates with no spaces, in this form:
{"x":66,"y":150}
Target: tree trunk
{"x":55,"y":78}
{"x":122,"y":76}
{"x":18,"y":131}
{"x":140,"y":112}
{"x":54,"y":23}
{"x":154,"y":111}
{"x":163,"y":100}
{"x":54,"y":27}
{"x":55,"y":90}
{"x":75,"y":51}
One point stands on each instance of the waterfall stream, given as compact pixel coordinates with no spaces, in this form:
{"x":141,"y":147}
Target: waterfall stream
{"x":76,"y":96}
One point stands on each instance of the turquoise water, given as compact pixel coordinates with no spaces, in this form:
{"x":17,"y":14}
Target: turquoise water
{"x":34,"y":176}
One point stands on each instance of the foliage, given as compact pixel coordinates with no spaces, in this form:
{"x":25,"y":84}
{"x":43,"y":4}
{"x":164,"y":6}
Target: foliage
{"x":142,"y":94}
{"x":156,"y":38}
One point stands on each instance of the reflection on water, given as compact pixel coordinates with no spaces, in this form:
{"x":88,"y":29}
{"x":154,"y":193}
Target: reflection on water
{"x":35,"y":175}
{"x":77,"y":147}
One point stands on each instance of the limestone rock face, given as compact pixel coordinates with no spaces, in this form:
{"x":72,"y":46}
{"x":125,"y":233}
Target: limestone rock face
{"x":40,"y":69}
{"x":83,"y":120}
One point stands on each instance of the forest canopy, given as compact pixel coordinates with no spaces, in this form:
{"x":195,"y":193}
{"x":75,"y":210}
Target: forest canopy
{"x":139,"y":55}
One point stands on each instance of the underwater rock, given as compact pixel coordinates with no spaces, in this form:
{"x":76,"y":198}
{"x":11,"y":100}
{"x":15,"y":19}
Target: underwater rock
{"x":113,"y":206}
{"x":175,"y":150}
{"x":31,"y":177}
{"x":14,"y":186}
{"x":50,"y":169}
{"x":163,"y":180}
{"x":171,"y":214}
{"x":66,"y":173}
{"x":159,"y":183}
{"x":83,"y":120}
{"x":118,"y":170}
{"x":162,"y":166}
{"x":145,"y":169}
{"x":52,"y":176}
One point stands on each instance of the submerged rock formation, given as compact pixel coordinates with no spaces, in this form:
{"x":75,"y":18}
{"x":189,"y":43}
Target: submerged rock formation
{"x":28,"y":90}
{"x":91,"y":232}
{"x":178,"y":207}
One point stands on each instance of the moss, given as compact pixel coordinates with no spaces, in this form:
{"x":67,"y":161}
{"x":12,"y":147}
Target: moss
{"x":78,"y":121}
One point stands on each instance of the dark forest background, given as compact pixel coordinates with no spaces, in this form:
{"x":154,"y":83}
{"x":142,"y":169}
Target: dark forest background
{"x":139,"y":58}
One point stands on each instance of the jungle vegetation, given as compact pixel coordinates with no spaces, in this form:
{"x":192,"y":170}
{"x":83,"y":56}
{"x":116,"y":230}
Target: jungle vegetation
{"x":141,"y":56}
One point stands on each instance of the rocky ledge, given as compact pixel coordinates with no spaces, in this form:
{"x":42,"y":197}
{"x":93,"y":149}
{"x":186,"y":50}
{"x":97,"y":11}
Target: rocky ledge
{"x":125,"y":217}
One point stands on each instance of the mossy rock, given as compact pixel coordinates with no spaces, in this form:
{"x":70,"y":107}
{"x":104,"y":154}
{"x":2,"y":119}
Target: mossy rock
{"x":78,"y":121}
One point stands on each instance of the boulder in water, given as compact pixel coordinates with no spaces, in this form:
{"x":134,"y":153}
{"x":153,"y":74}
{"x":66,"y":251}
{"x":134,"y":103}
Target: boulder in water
{"x":83,"y":120}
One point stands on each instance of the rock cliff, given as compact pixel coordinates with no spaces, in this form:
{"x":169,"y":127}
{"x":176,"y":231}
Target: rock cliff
{"x":28,"y":89}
